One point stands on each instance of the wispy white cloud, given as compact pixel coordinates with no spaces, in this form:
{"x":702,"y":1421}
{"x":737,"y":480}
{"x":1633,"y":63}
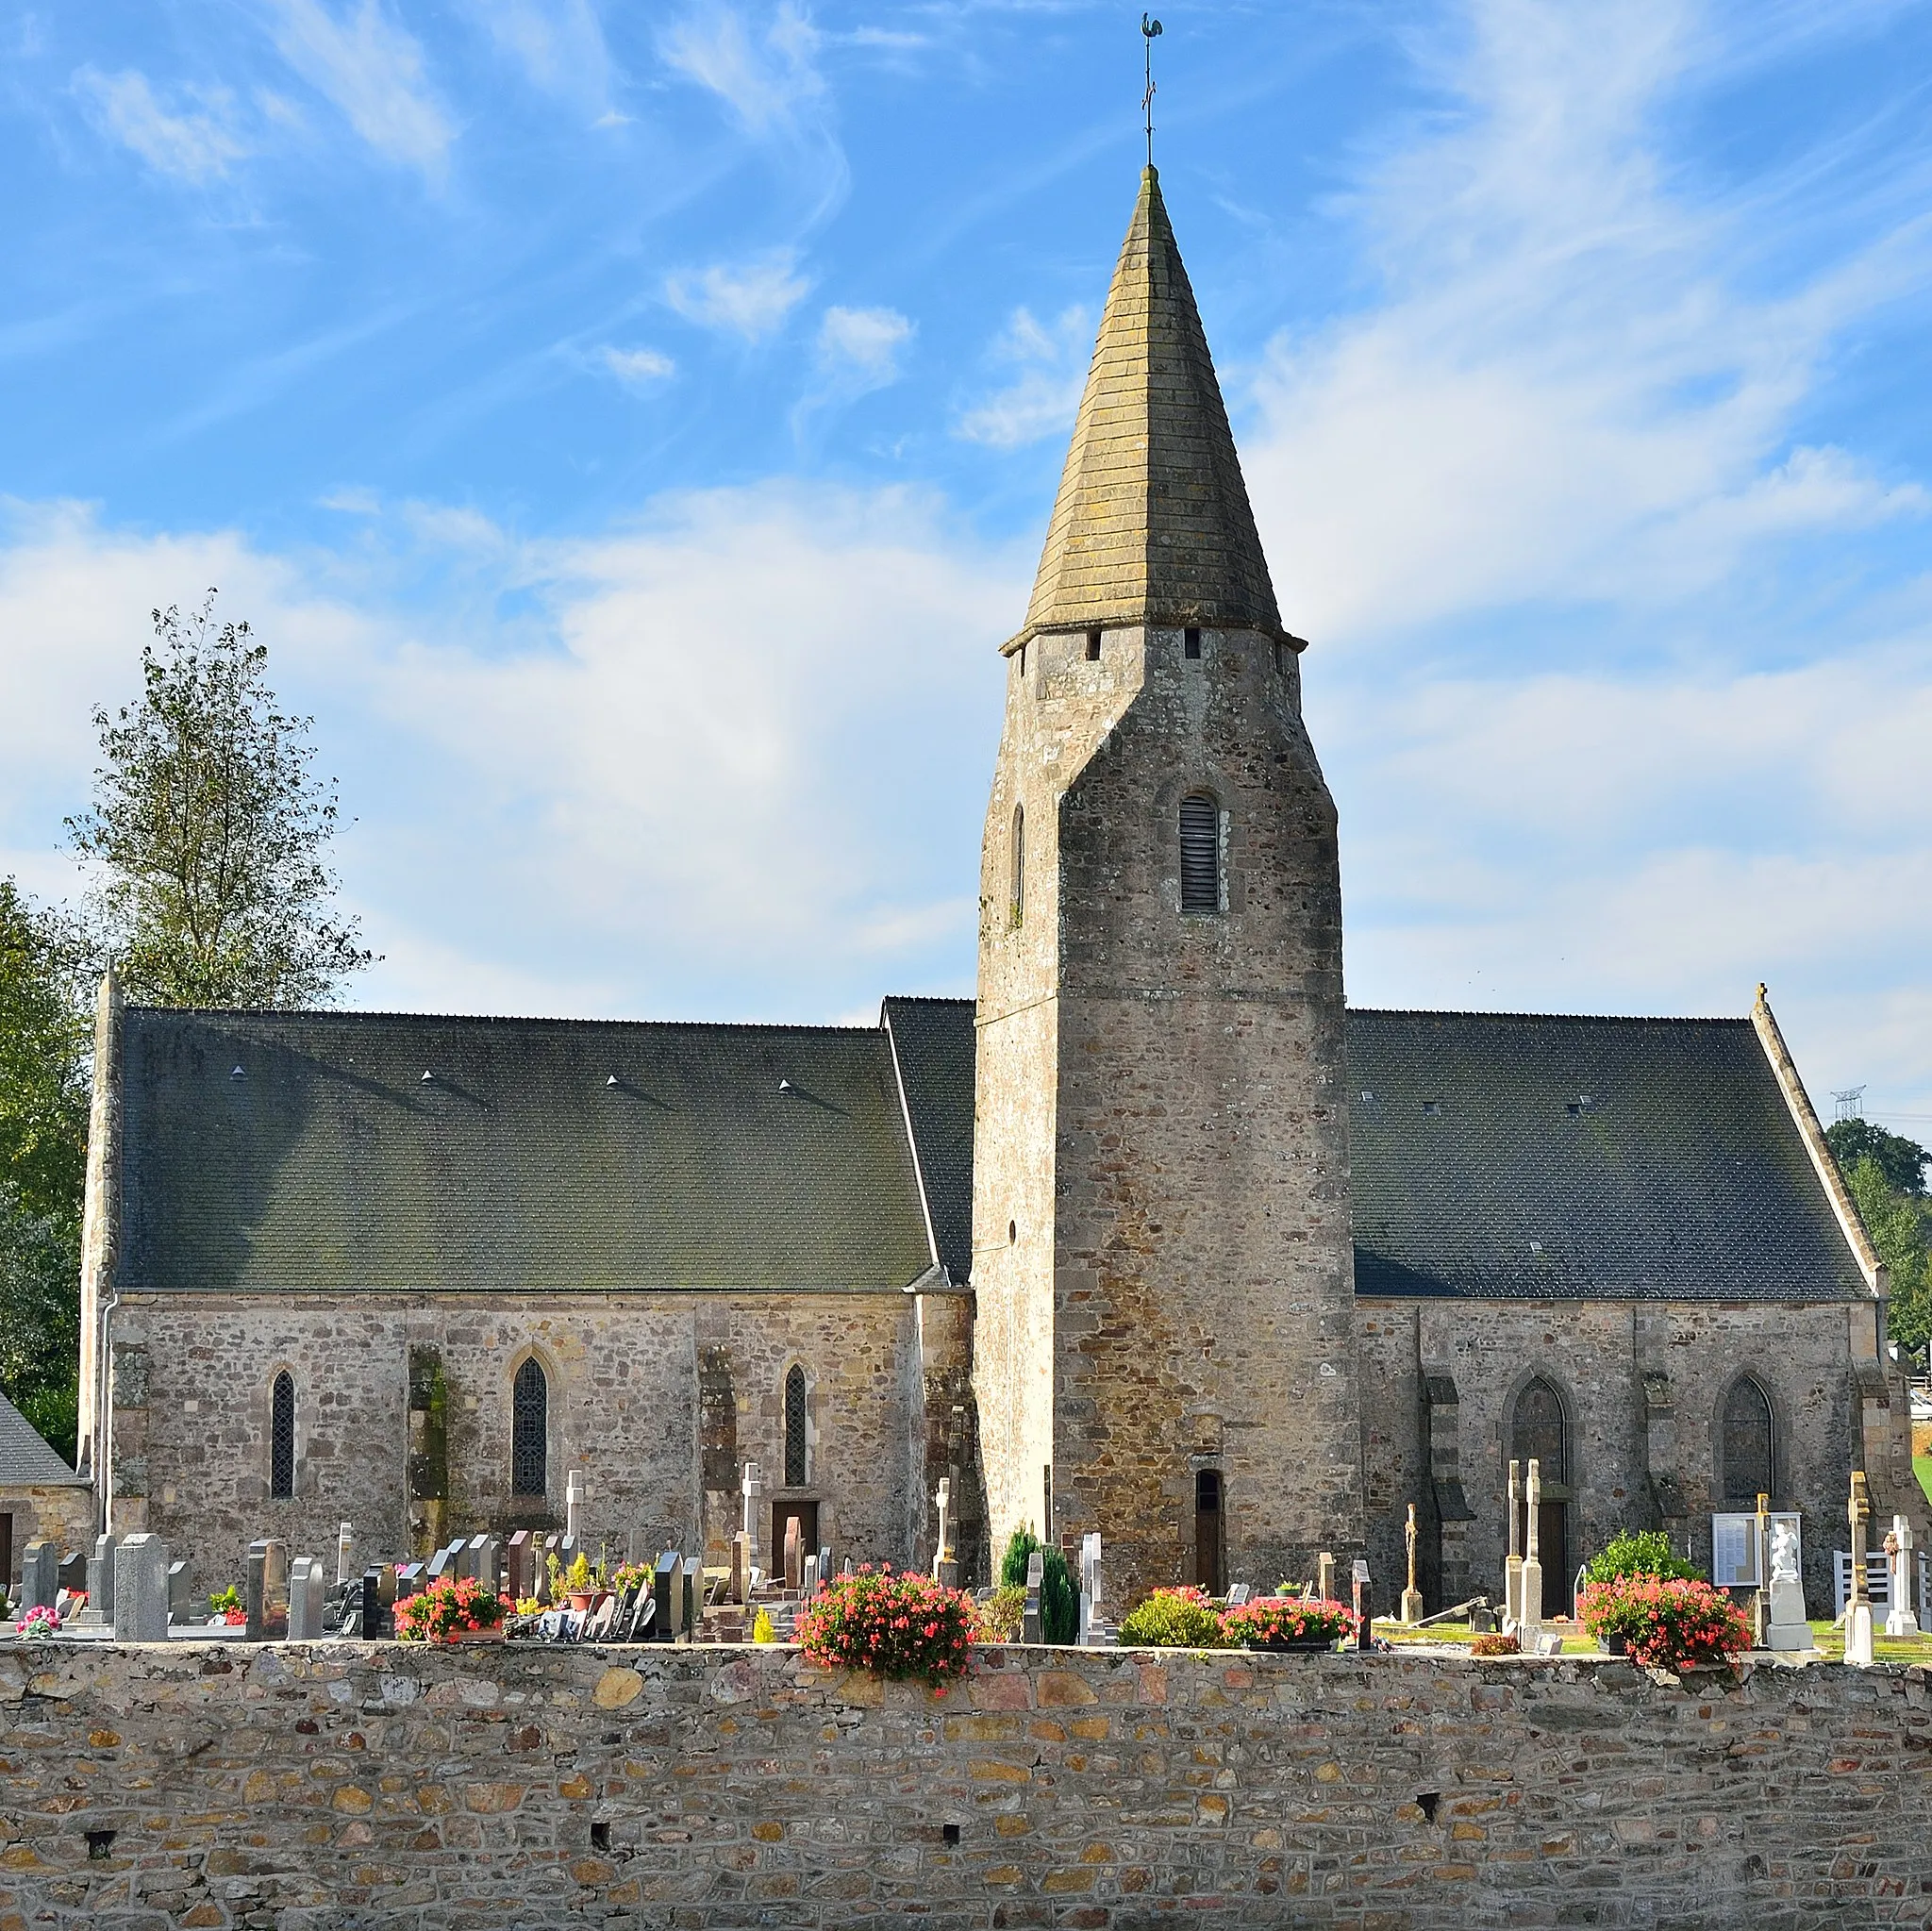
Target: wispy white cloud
{"x":746,"y":299}
{"x":767,"y":76}
{"x":557,"y":45}
{"x":1048,"y":366}
{"x":371,"y":69}
{"x":195,"y":143}
{"x":639,"y":368}
{"x":858,"y":348}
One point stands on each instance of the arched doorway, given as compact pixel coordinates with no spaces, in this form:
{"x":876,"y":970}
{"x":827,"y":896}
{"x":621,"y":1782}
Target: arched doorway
{"x":1539,"y":1432}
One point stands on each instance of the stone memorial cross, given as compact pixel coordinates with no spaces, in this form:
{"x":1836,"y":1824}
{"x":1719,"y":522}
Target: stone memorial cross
{"x":1030,"y":1628}
{"x":1411,"y":1596}
{"x":1858,"y":1607}
{"x":1899,"y":1620}
{"x":1529,"y":1607}
{"x":1512,"y":1566}
{"x":749,"y":1526}
{"x":943,"y":1497}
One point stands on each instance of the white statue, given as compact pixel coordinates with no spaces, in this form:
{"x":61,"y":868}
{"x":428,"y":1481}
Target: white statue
{"x":1783,"y":1552}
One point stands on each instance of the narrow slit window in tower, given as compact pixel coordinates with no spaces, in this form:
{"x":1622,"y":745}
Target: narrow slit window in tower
{"x":1190,"y":641}
{"x":1200,"y":854}
{"x":1094,"y":646}
{"x":794,"y":1429}
{"x":281,"y":1437}
{"x":529,"y":1430}
{"x":1019,"y":903}
{"x":1211,"y":1559}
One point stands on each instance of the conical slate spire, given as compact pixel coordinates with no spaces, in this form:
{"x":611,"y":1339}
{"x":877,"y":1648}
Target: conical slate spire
{"x":1152,"y":524}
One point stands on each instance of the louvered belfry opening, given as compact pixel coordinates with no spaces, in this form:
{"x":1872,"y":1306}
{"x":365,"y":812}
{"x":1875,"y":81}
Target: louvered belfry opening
{"x":1747,"y":1442}
{"x":1200,"y":854}
{"x":281,"y":1437}
{"x":794,"y":1429}
{"x":529,"y":1430}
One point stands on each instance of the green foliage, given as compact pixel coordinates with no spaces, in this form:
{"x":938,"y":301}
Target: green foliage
{"x":225,"y":1601}
{"x":1668,"y":1625}
{"x":210,"y":828}
{"x":1640,"y":1552}
{"x":1175,"y":1619}
{"x":1901,"y":1161}
{"x":761,"y":1630}
{"x":43,"y":1101}
{"x":1059,"y":1601}
{"x":1003,"y":1614}
{"x":1900,"y":1224}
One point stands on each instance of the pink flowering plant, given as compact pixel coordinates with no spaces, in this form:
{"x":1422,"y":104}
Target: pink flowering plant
{"x":39,"y":1620}
{"x":446,"y":1610}
{"x":903,"y":1626}
{"x":1287,"y":1618}
{"x":1666,"y":1622}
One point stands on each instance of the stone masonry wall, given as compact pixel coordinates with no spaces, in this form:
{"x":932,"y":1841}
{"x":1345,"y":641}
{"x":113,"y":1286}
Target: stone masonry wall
{"x":623,"y":1374}
{"x":349,"y":1785}
{"x":1636,"y":1379}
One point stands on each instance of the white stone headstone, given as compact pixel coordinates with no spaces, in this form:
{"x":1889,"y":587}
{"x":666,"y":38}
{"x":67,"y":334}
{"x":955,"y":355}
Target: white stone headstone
{"x":1899,"y":1620}
{"x":345,"y":1554}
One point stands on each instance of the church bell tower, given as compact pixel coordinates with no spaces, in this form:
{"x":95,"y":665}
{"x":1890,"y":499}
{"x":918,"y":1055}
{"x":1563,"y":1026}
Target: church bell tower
{"x":1165,"y":1344}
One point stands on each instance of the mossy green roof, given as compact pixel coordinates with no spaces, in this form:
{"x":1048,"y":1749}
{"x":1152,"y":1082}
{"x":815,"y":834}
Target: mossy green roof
{"x":736,"y":1158}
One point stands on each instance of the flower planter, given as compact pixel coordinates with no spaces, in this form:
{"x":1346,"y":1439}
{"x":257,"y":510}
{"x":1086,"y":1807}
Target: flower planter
{"x":1613,"y":1644}
{"x":478,"y":1634}
{"x":1303,"y":1647}
{"x":581,"y":1600}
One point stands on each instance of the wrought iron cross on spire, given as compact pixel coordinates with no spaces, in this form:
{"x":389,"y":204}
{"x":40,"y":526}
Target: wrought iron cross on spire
{"x":1149,"y":28}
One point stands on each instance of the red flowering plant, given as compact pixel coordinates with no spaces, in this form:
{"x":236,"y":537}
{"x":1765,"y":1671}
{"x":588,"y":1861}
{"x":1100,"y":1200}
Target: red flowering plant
{"x":903,"y":1626}
{"x":1667,"y":1624}
{"x":1268,"y":1619}
{"x":446,"y":1610}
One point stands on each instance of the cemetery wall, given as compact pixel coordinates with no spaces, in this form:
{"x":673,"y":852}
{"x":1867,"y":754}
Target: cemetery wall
{"x":1178,"y":1224}
{"x":1643,"y":1385}
{"x":193,"y":1376}
{"x":349,"y":1785}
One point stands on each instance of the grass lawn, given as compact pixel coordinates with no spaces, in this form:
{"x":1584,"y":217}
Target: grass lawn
{"x":1923,"y":1464}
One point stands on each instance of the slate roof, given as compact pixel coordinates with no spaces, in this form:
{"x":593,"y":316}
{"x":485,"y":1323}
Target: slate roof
{"x":1152,"y":523}
{"x":1647,"y":1159}
{"x":26,"y":1461}
{"x":331,"y":1164}
{"x":934,"y":1043}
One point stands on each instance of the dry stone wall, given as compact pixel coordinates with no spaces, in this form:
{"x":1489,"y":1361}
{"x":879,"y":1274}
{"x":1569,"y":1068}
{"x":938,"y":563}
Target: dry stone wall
{"x":350,"y":1784}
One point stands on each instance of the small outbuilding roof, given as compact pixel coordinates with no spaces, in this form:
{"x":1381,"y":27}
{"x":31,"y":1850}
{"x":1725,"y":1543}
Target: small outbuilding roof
{"x":27,"y":1460}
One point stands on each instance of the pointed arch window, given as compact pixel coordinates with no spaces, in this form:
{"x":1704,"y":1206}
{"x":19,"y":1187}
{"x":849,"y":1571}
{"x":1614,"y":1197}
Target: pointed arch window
{"x":1538,"y":1433}
{"x":281,"y":1436}
{"x":1200,"y":854}
{"x":529,"y":1430}
{"x":794,"y":1429}
{"x":1746,"y":1442}
{"x":1019,"y":899}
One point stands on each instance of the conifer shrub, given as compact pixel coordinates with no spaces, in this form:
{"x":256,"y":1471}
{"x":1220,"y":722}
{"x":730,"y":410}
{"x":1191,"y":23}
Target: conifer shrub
{"x":1059,"y":1601}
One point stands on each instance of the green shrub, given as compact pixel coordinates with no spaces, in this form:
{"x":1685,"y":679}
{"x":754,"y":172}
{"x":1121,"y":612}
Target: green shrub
{"x":1176,"y":1618}
{"x":1640,"y":1552}
{"x":1059,"y":1601}
{"x":1002,"y":1614}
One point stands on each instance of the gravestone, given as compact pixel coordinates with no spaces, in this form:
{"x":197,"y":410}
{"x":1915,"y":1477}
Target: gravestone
{"x":694,"y":1584}
{"x":1325,"y":1576}
{"x":521,"y":1587}
{"x":1788,"y":1629}
{"x":669,"y":1582}
{"x":793,"y":1554}
{"x":301,"y":1629}
{"x":180,"y":1604}
{"x":824,"y":1565}
{"x":409,"y":1580}
{"x":1512,"y":1566}
{"x":749,"y":1488}
{"x":40,"y":1575}
{"x":741,"y":1570}
{"x":345,"y":1553}
{"x":1239,"y":1596}
{"x":572,"y":1506}
{"x":140,"y":1589}
{"x":438,"y":1570}
{"x":1899,"y":1620}
{"x":255,"y":1594}
{"x":597,"y":1624}
{"x":1090,"y":1585}
{"x":371,"y":1630}
{"x":1029,"y":1620}
{"x":1364,"y":1604}
{"x":73,"y":1571}
{"x":482,"y":1560}
{"x":99,"y":1613}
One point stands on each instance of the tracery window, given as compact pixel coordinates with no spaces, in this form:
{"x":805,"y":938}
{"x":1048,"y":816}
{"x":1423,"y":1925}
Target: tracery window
{"x":794,"y":1429}
{"x":281,"y":1437}
{"x":529,"y":1430}
{"x":1746,"y":1442}
{"x":1539,"y":1435}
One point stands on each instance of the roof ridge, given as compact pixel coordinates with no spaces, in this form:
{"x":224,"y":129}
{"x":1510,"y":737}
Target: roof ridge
{"x":1552,"y":1018}
{"x":354,"y":1013}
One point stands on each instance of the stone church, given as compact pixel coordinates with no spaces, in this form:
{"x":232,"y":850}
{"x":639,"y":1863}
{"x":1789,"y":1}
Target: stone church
{"x":1155,"y":1238}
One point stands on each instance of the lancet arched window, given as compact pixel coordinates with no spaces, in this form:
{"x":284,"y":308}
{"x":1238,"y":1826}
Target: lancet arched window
{"x":529,"y":1430}
{"x":1746,"y":1442}
{"x":1539,"y":1435}
{"x":1200,"y":854}
{"x":794,"y":1429}
{"x":281,"y":1436}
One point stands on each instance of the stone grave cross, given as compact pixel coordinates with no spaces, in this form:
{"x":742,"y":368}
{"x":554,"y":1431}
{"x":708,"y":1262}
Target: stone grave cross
{"x":1529,"y":1607}
{"x":1900,"y":1621}
{"x":943,"y":1555}
{"x":1858,"y":1608}
{"x":1089,"y":1583}
{"x":1029,"y":1622}
{"x":345,"y":1554}
{"x":1411,"y":1596}
{"x":573,"y":1504}
{"x":1512,"y":1566}
{"x":749,"y":1526}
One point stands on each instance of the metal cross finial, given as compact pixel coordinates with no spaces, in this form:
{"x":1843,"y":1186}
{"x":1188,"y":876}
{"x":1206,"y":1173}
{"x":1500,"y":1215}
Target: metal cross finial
{"x":1149,"y":28}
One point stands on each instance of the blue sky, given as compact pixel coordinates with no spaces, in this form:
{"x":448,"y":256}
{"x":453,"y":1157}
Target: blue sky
{"x":632,"y":429}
